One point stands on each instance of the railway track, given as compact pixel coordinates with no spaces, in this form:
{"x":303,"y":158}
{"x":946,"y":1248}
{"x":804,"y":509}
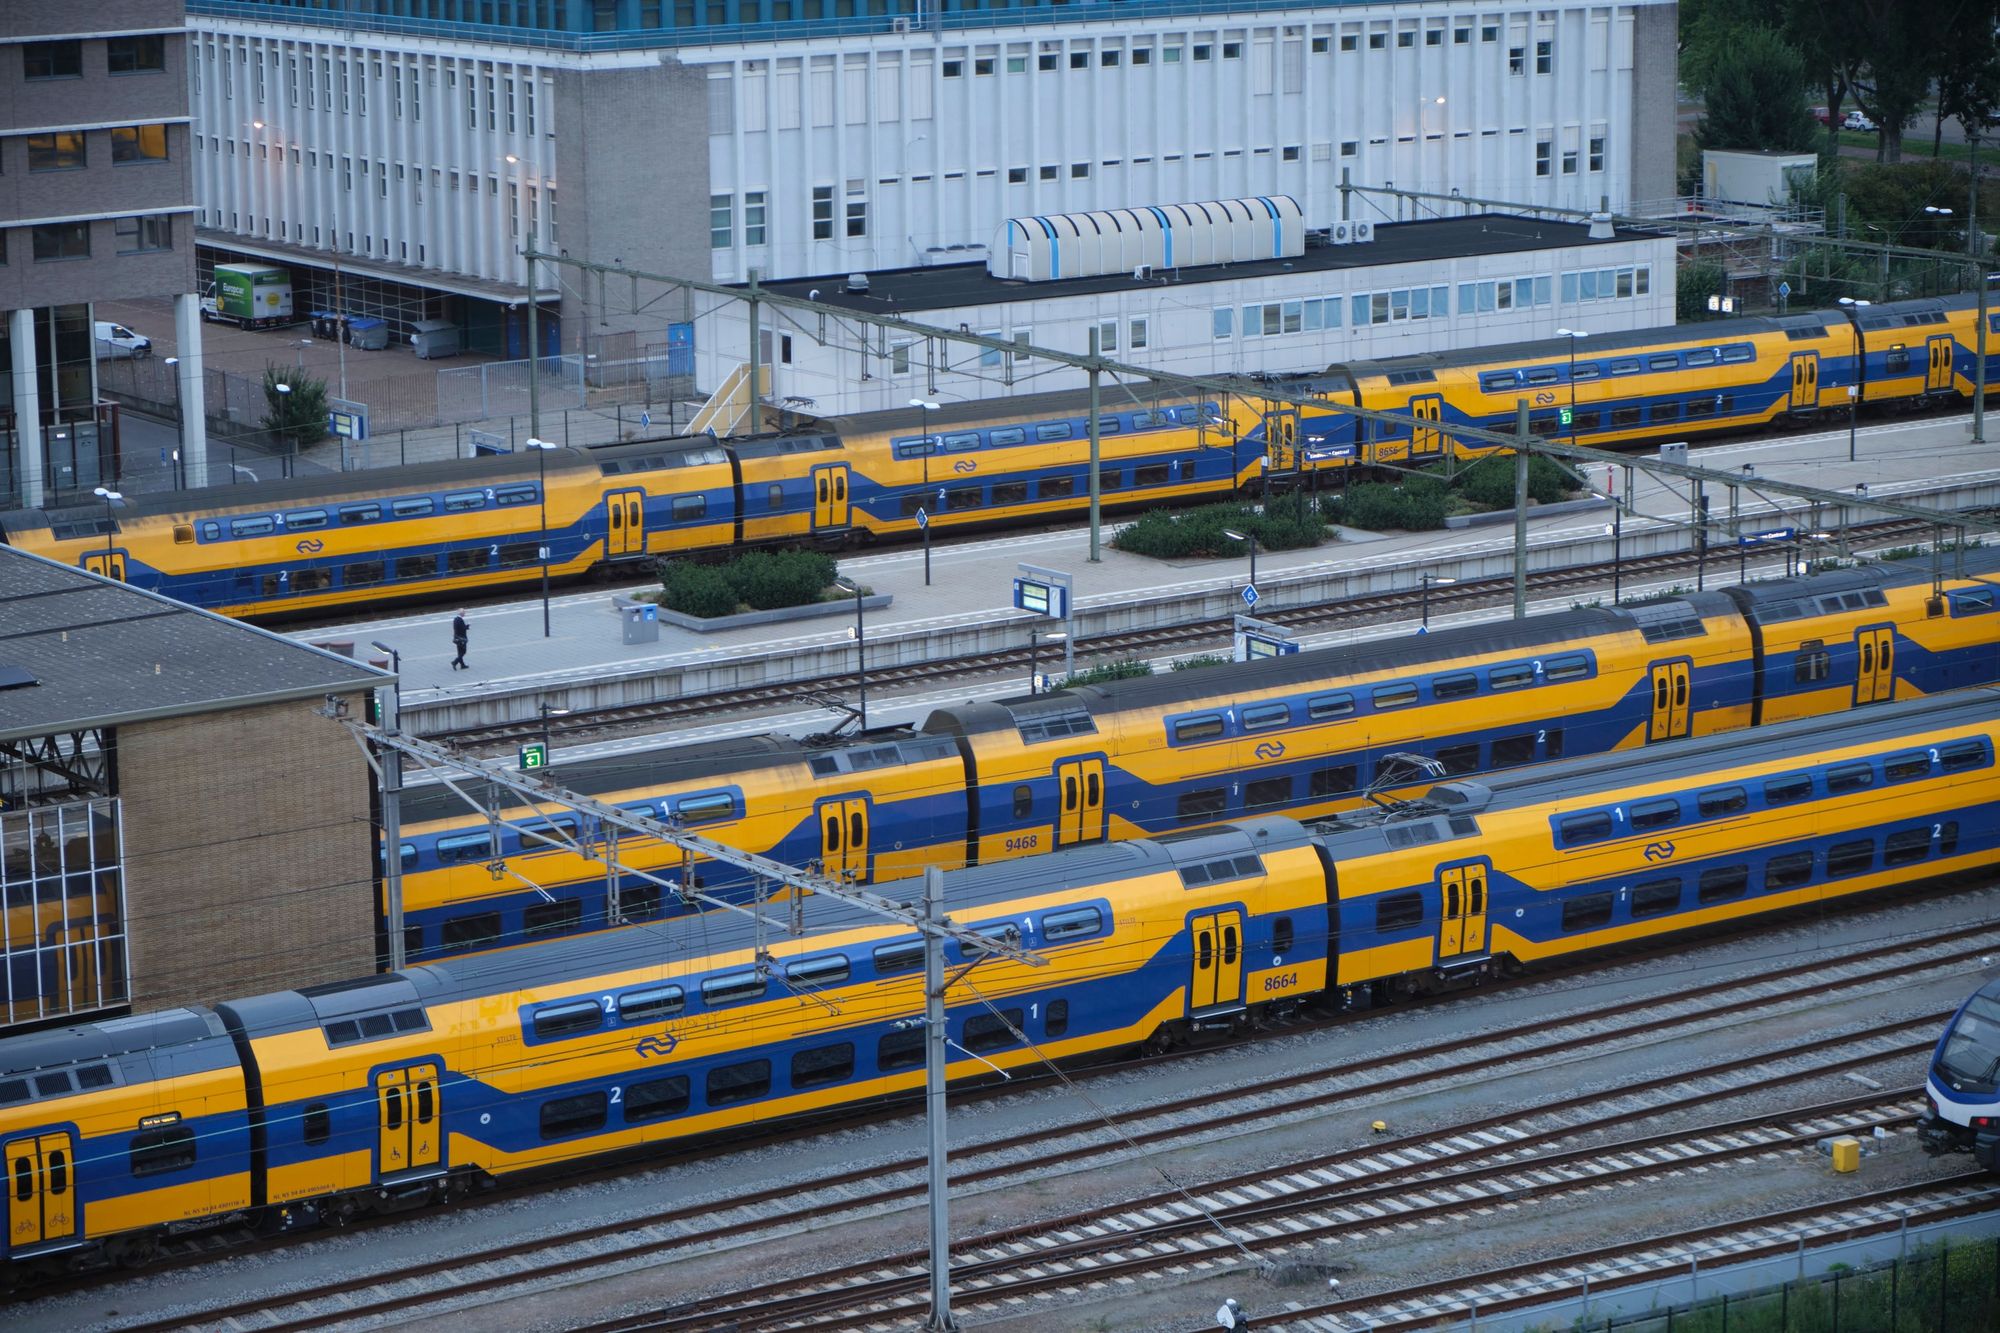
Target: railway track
{"x":1189,"y":637}
{"x":871,"y":1189}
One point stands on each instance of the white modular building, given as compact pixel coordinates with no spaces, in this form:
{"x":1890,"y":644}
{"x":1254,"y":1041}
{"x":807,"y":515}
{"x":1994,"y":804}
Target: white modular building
{"x":421,"y":141}
{"x":1411,"y":287}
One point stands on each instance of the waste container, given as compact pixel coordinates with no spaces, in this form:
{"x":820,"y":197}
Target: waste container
{"x":642,"y":623}
{"x":370,"y":335}
{"x":434,"y":338}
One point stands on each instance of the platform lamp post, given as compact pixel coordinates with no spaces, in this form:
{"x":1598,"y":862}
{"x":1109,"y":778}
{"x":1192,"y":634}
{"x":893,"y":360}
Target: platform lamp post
{"x":1035,"y":640}
{"x":860,"y":645}
{"x":541,"y":448}
{"x":110,"y":497}
{"x":924,"y":408}
{"x":1852,"y":309}
{"x":285,"y":461}
{"x":1439,"y":580}
{"x":1571,"y":335}
{"x":180,"y":426}
{"x":1251,"y":539}
{"x":548,"y":711}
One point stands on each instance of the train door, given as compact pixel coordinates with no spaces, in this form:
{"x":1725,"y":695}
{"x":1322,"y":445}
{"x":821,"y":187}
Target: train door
{"x":1875,"y":675}
{"x":1462,"y":914}
{"x":1281,"y":442}
{"x":830,"y":507}
{"x":624,"y":524}
{"x":407,"y":1114}
{"x":1938,"y":378}
{"x":111,"y":564}
{"x":1426,"y":441}
{"x":1216,"y":980}
{"x":41,"y":1190}
{"x":1080,"y":789}
{"x":843,"y":838}
{"x":1805,"y":381}
{"x":1670,"y":713}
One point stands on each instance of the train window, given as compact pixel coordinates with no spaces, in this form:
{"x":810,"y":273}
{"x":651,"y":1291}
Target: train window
{"x":824,"y":970}
{"x":992,"y":1032}
{"x":564,"y":1020}
{"x":1960,"y":755}
{"x":644,"y":901}
{"x":706,"y":809}
{"x":1055,"y":1018}
{"x":1897,"y":361}
{"x":655,"y":1002}
{"x":1850,"y":858}
{"x":1054,"y":430}
{"x":361,"y":573}
{"x":1587,"y":912}
{"x":478,"y":931}
{"x":463,"y":847}
{"x":305,"y":519}
{"x":1281,"y":935}
{"x":1399,"y":911}
{"x":1906,"y":846}
{"x":1655,"y":814}
{"x":1722,"y":883}
{"x":1785,"y":790}
{"x":250,"y":527}
{"x":1513,"y":751}
{"x":1335,"y":781}
{"x":1024,"y":801}
{"x":739,"y":1083}
{"x":913,"y":503}
{"x":1010,"y":492}
{"x":1394,"y":696}
{"x":361,"y":513}
{"x":1203,"y":728}
{"x":1208,"y":803}
{"x":162,"y":1151}
{"x":507,"y":496}
{"x":656,"y":1097}
{"x":1567,"y":668}
{"x":1592,"y":827}
{"x":466,"y":560}
{"x":316,"y":1123}
{"x":1906,"y":767}
{"x":1665,"y":361}
{"x":578,"y":1114}
{"x":1055,"y":488}
{"x":1972,"y":601}
{"x":211,"y":531}
{"x":822,"y":1065}
{"x":1459,"y":758}
{"x":1585,"y":370}
{"x":960,"y":443}
{"x":519,"y":555}
{"x":1110,"y":479}
{"x":1004,"y":435}
{"x":1702,"y":356}
{"x":1270,"y":793}
{"x":1703,"y":407}
{"x":557,"y":918}
{"x":1585,"y":420}
{"x":1947,"y":838}
{"x":412,"y":508}
{"x":913,"y":448}
{"x":733,"y":988}
{"x":1624,"y":416}
{"x":1543,"y":375}
{"x":1329,"y":705}
{"x":1788,"y":871}
{"x":456,"y":502}
{"x":688,"y":508}
{"x":1109,"y":425}
{"x":415,"y":566}
{"x":905,"y":956}
{"x":1260,"y":717}
{"x":1455,"y":686}
{"x":1812,"y":662}
{"x":1152,"y":474}
{"x":901,"y":1049}
{"x":774,"y":497}
{"x":1142,"y":421}
{"x":962,"y":497}
{"x":1849,"y":777}
{"x":1719,"y":801}
{"x":1510,"y":677}
{"x":1071,"y":923}
{"x":311,"y":580}
{"x":1498,"y":381}
{"x":1737,"y":352}
{"x":1656,"y":897}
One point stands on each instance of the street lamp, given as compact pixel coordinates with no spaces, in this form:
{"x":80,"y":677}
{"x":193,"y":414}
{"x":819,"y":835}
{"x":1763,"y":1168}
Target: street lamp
{"x":110,"y":497}
{"x":1429,"y":579}
{"x":1572,"y":335}
{"x":290,"y":444}
{"x":300,"y":345}
{"x":1251,"y":538}
{"x":1859,"y":384}
{"x":860,"y":645}
{"x":180,"y":427}
{"x":541,"y":448}
{"x":548,"y":711}
{"x":1035,"y":639}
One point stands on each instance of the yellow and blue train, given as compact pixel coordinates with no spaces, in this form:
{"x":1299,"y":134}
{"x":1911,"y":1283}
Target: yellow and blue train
{"x":398,"y":1089}
{"x":311,"y":544}
{"x":1962,"y":1089}
{"x":1304,"y":735}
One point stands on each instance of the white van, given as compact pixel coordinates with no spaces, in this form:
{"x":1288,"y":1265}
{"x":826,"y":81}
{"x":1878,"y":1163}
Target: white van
{"x":115,"y":341}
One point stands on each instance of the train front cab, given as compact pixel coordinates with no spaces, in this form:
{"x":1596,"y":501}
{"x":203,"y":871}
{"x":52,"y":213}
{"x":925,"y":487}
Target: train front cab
{"x":1963,"y":1087}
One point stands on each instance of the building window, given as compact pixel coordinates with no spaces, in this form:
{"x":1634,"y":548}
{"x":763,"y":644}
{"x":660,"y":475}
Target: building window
{"x":1597,"y":152}
{"x":1542,"y":154}
{"x":954,"y":69}
{"x":62,"y":151}
{"x":1017,"y":175}
{"x":1138,"y":333}
{"x":1050,"y":173}
{"x":983,"y":65}
{"x":1517,"y":60}
{"x":1079,"y":170}
{"x":721,"y":221}
{"x":1569,"y":161}
{"x":52,"y":60}
{"x":857,"y":216}
{"x":822,"y":212}
{"x":753,"y":217}
{"x":136,"y":55}
{"x":139,"y":143}
{"x":63,"y":240}
{"x":153,"y":231}
{"x":1223,"y":322}
{"x":1107,"y":336}
{"x":1545,"y":57}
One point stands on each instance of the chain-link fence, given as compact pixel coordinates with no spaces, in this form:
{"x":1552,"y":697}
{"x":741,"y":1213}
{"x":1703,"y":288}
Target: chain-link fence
{"x":500,"y":388}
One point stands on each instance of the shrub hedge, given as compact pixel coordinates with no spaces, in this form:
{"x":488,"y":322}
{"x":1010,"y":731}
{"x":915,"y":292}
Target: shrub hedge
{"x":759,"y":580}
{"x":1418,"y":504}
{"x":1286,"y":523}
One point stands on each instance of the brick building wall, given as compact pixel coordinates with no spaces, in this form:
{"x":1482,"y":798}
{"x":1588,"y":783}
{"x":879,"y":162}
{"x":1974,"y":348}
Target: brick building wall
{"x":247,"y":853}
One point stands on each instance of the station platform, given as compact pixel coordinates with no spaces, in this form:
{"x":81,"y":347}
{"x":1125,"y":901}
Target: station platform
{"x":966,"y":609}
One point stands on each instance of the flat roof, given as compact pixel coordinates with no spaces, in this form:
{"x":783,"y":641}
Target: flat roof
{"x":79,"y":651}
{"x":953,"y":286}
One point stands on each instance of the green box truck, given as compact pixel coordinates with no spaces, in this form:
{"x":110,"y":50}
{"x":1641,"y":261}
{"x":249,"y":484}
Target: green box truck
{"x":250,"y":296}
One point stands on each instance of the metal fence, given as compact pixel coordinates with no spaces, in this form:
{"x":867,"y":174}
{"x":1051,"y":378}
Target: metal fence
{"x":500,"y":389}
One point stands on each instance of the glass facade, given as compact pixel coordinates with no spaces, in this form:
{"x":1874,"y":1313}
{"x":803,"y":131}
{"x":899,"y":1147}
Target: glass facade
{"x":63,"y":935}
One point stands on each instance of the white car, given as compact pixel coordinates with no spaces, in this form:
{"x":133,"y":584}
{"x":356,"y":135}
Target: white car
{"x":115,"y":341}
{"x":1858,"y":120}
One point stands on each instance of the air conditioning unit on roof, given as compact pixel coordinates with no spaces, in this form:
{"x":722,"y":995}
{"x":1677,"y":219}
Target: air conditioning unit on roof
{"x":1364,"y":232}
{"x":1340,"y":233}
{"x":899,"y":25}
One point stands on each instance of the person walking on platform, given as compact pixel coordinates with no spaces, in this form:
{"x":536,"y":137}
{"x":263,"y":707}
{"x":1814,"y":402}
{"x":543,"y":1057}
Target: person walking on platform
{"x":460,"y":634}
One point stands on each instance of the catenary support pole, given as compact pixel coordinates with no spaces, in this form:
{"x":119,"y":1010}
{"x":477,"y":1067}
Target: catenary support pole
{"x":392,"y":817}
{"x":1521,"y":513}
{"x":934,"y":1105}
{"x":534,"y":347}
{"x":1095,"y":493}
{"x":1979,"y":370}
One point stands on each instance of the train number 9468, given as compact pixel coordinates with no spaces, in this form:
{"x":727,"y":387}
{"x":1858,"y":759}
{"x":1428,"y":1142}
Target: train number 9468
{"x":1027,"y":844}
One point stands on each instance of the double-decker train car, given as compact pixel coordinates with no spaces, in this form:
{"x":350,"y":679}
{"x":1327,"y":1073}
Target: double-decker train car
{"x":1962,"y":1088}
{"x":1303,"y":735}
{"x":273,"y":548}
{"x":396,"y":1090}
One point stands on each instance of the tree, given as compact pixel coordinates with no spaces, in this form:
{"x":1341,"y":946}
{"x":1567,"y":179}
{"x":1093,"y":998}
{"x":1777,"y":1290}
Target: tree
{"x":1695,"y":283}
{"x":1892,"y":54}
{"x":296,"y":416}
{"x":1756,"y":96}
{"x":1709,"y":28}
